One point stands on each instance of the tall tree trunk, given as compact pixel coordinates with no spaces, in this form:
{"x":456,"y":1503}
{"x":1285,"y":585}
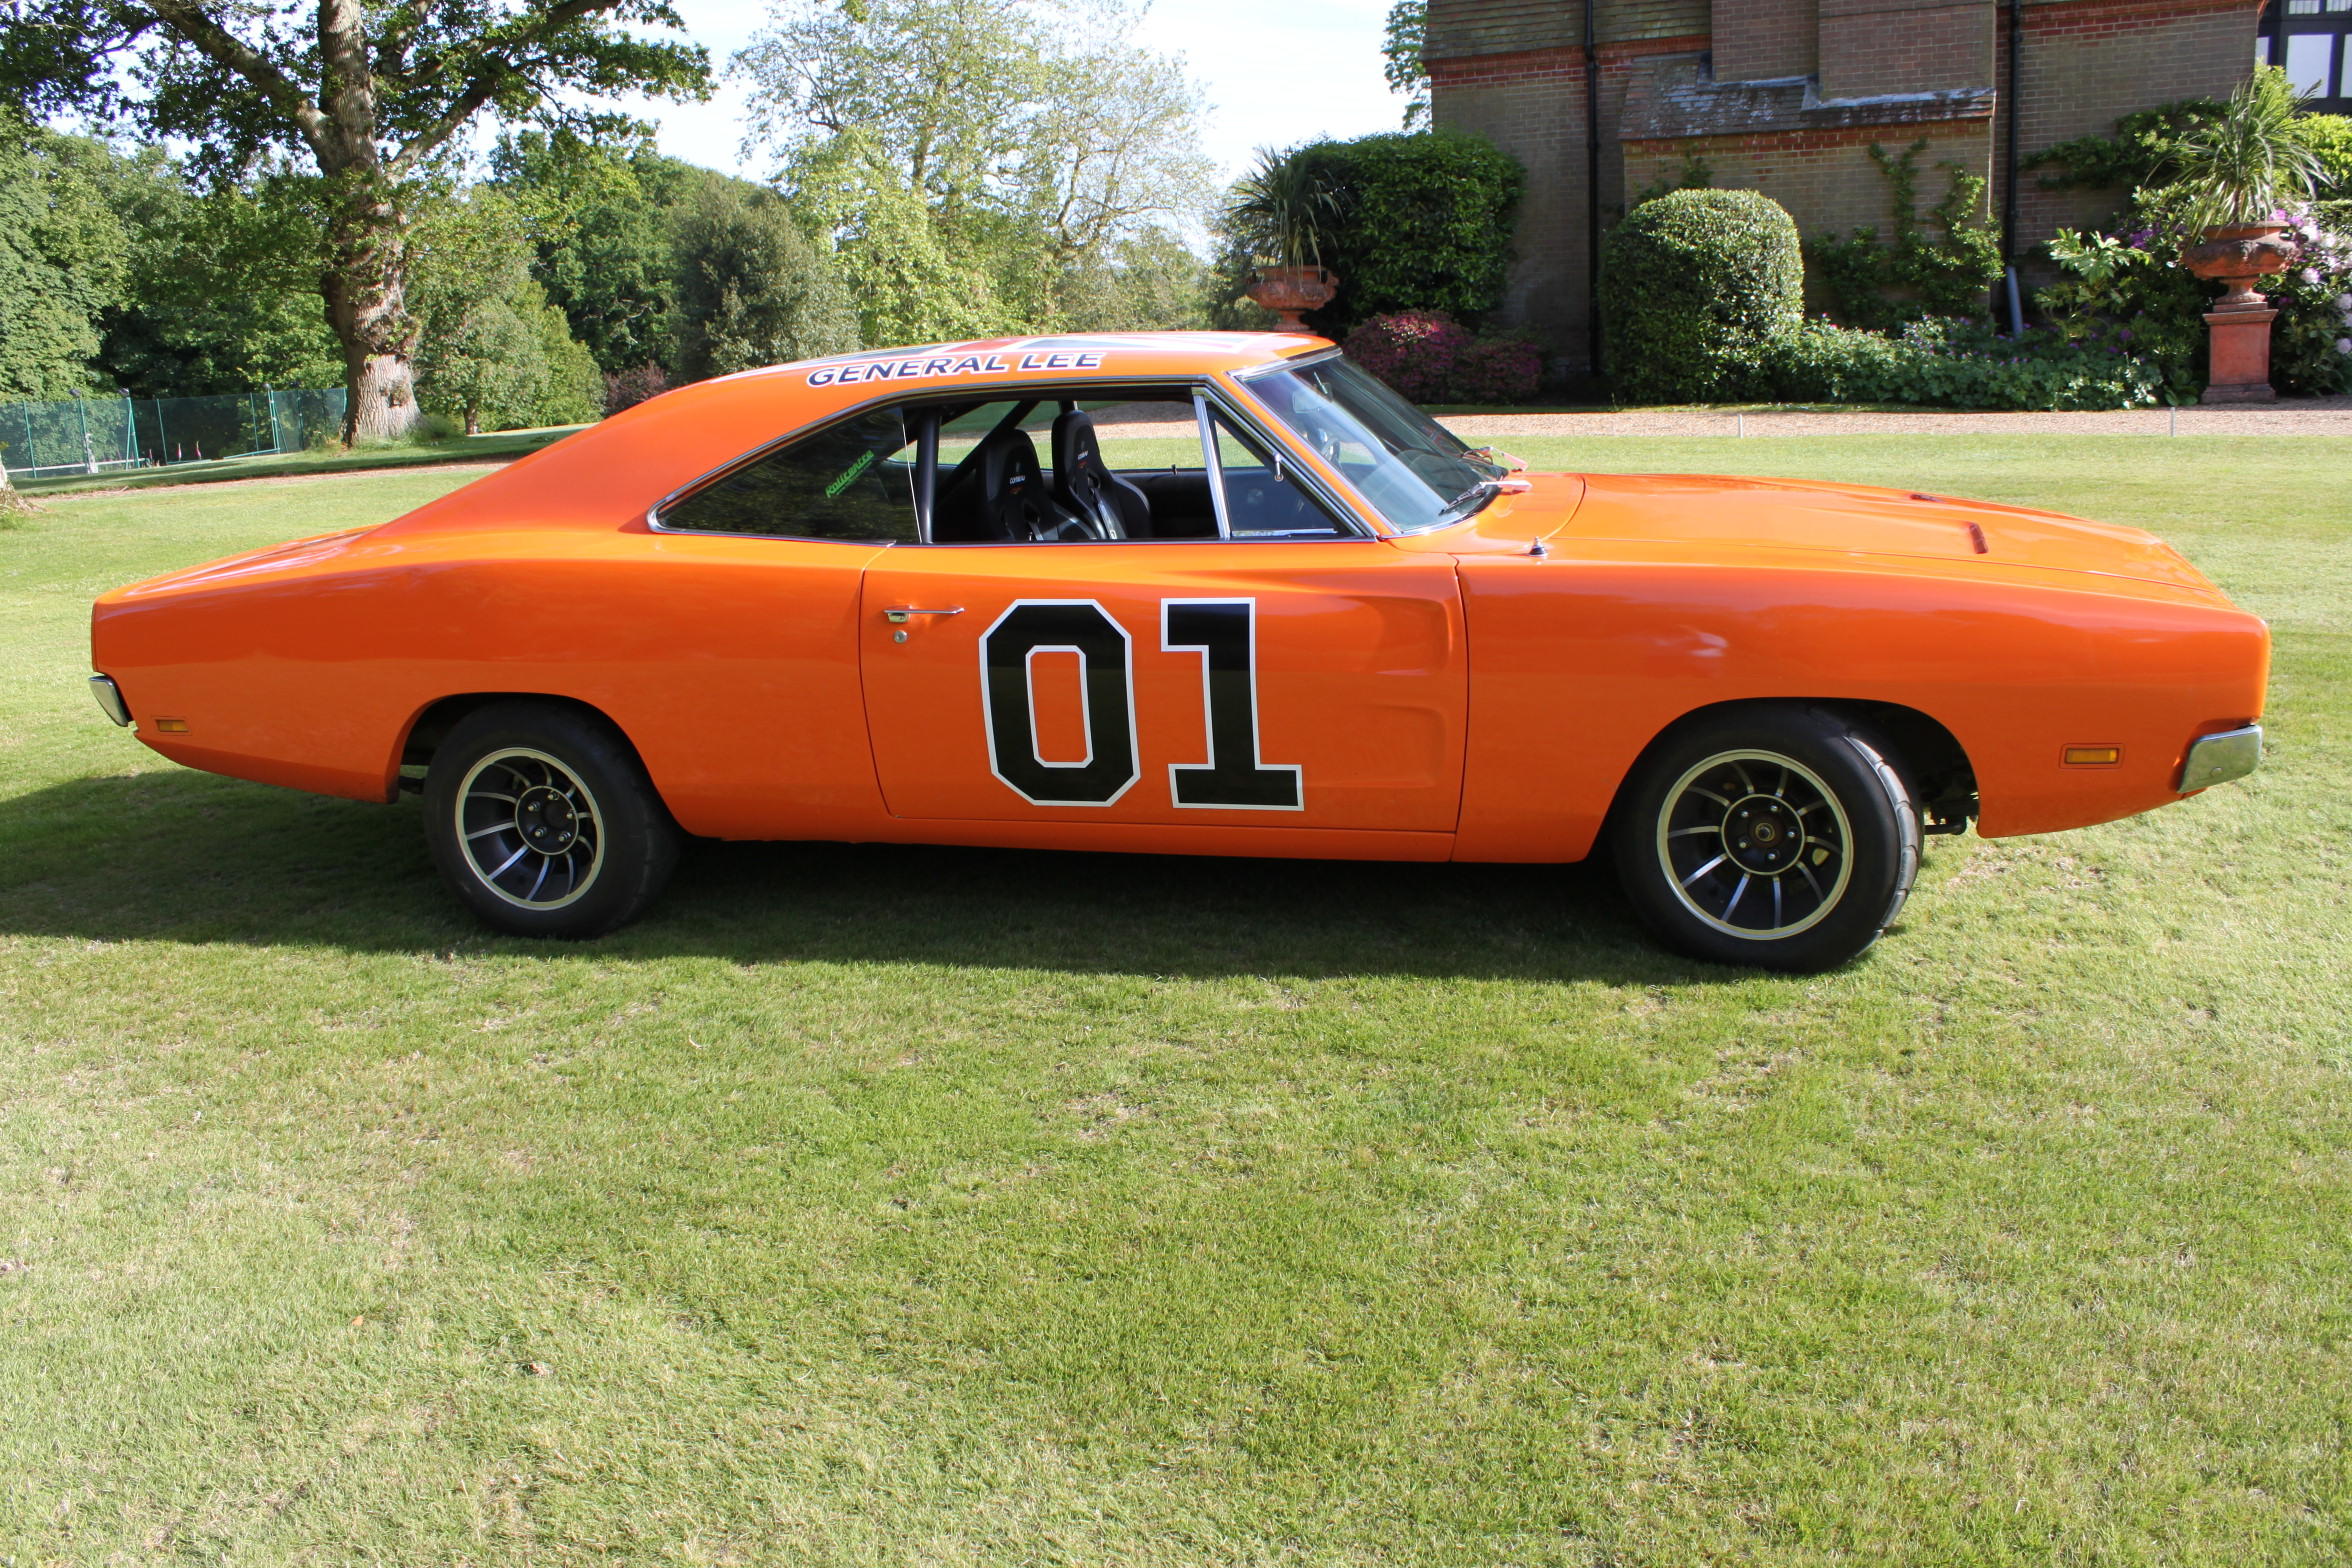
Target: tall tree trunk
{"x":366,"y":288}
{"x":12,"y":503}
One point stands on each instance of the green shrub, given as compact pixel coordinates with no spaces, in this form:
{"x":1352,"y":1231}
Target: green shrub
{"x":1421,"y":221}
{"x":1941,"y":363}
{"x":2330,"y":136}
{"x":1694,"y":286}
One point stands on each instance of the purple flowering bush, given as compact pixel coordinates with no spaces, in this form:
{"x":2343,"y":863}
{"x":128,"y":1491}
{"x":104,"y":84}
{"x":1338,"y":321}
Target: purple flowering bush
{"x":1432,"y":358}
{"x":2311,"y":342}
{"x":1414,"y":351}
{"x":1497,"y":370}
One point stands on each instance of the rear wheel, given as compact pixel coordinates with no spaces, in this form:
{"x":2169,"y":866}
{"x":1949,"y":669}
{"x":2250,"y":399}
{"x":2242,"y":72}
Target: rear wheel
{"x":1778,"y":837}
{"x":543,"y":822}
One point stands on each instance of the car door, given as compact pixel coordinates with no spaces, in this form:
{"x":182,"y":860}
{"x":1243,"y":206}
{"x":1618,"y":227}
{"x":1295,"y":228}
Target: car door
{"x":1277,"y":677}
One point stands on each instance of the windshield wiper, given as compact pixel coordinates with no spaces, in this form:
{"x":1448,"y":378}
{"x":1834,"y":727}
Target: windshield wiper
{"x":1469,"y":501}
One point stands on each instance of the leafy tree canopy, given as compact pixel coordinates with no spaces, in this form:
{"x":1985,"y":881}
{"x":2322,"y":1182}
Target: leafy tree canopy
{"x":966,"y":155}
{"x":61,"y":259}
{"x":1400,"y":51}
{"x":371,"y":93}
{"x":603,"y":218}
{"x":752,"y":290}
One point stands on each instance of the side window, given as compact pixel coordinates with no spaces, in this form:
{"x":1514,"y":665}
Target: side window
{"x":1263,"y":498}
{"x":852,"y":480}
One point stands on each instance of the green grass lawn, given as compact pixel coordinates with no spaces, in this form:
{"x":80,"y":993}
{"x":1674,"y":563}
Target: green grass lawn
{"x":903,"y":1206}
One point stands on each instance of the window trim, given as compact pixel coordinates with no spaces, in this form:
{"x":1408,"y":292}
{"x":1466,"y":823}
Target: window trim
{"x":1247,"y":416}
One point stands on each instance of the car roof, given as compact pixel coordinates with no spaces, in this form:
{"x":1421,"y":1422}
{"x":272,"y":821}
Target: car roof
{"x":1088,"y":356}
{"x":615,"y":469}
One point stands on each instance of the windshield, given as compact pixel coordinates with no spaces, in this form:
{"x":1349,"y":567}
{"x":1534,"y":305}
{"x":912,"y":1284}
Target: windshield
{"x":1412,"y":469}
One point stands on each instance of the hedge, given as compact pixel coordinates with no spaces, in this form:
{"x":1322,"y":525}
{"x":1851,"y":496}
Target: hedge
{"x":1694,"y":285}
{"x":1425,"y":224}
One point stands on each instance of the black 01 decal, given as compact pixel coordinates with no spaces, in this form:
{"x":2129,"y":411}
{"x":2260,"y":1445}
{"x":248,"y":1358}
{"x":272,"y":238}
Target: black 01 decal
{"x":1225,"y":631}
{"x":1073,"y":625}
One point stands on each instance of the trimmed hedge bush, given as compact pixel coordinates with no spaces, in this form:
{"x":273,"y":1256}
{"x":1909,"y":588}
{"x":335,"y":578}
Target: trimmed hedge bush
{"x":1694,"y":286}
{"x":1424,"y":222}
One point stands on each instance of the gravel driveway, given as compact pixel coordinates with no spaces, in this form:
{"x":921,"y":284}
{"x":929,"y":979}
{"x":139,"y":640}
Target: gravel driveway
{"x":2326,"y":416}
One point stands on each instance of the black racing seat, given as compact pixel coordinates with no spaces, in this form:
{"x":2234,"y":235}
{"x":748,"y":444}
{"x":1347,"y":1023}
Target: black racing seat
{"x":999,"y":492}
{"x":1087,"y":485}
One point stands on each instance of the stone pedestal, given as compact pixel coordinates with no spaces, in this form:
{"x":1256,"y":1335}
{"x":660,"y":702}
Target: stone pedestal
{"x":2240,"y":363}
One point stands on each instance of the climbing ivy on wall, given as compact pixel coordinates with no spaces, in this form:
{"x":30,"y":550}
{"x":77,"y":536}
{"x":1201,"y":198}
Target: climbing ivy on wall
{"x":1941,"y":263}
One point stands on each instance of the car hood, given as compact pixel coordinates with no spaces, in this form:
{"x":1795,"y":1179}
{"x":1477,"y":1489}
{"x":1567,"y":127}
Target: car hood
{"x":1785,"y":514}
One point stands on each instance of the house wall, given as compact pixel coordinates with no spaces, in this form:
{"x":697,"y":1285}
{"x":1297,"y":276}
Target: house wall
{"x":1788,"y":97}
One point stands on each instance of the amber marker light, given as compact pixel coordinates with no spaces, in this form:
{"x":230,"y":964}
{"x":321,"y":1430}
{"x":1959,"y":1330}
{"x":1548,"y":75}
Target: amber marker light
{"x":2093,"y":756}
{"x":180,"y":727}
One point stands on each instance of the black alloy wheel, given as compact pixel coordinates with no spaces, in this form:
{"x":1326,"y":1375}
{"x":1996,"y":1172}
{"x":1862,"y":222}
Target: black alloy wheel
{"x":1775,"y":836}
{"x":542,"y":821}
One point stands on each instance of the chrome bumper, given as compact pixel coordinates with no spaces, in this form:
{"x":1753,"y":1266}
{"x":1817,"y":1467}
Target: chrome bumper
{"x":110,"y":700}
{"x":2216,"y":759}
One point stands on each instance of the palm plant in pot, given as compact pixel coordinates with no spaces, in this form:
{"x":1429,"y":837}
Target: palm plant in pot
{"x":1284,"y":211}
{"x":2239,"y":174}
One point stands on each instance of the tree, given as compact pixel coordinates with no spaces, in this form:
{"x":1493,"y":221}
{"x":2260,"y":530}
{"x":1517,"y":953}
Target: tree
{"x":603,"y":219}
{"x":752,"y":290}
{"x":371,"y":94}
{"x":1150,"y":282}
{"x":494,"y":351}
{"x":966,"y":155}
{"x":61,"y":260}
{"x":1407,"y":72}
{"x":222,"y":287}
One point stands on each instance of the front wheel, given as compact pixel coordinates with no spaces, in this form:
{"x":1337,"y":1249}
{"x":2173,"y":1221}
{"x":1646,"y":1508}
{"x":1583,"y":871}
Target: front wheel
{"x":542,"y":821}
{"x":1776,"y":837}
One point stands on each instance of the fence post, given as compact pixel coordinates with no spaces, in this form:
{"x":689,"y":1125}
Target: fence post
{"x":130,"y":429}
{"x":89,"y":456}
{"x":277,"y":434}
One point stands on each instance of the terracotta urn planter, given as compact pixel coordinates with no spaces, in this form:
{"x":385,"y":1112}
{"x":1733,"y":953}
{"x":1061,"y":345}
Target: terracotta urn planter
{"x":1290,"y":292}
{"x":2238,"y":325}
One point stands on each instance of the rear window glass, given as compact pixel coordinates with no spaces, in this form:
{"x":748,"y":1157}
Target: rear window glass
{"x":853,"y":480}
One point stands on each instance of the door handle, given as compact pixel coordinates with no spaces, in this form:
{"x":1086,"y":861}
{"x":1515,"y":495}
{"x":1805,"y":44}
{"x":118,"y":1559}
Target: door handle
{"x":897,"y":614}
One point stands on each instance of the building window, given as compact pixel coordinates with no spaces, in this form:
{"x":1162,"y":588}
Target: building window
{"x":2317,"y":39}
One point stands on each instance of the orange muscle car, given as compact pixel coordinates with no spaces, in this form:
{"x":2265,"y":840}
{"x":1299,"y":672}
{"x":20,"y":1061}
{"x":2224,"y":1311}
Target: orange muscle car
{"x":1196,"y":594}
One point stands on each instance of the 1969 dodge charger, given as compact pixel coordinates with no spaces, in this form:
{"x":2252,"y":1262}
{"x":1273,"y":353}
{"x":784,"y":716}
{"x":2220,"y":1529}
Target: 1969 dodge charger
{"x":1192,"y":594}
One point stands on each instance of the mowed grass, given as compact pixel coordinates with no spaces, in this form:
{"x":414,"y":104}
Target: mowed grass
{"x":896,"y":1206}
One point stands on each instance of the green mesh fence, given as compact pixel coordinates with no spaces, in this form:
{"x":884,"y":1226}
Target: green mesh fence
{"x":99,"y":435}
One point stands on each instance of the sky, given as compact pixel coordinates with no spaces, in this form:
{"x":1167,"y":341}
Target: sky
{"x":1276,"y":73}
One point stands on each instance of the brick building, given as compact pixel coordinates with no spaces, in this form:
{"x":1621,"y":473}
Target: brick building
{"x":1602,"y":98}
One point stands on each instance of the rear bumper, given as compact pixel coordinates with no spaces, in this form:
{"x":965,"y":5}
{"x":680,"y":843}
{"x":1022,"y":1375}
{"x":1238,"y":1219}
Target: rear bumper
{"x":2219,"y":758}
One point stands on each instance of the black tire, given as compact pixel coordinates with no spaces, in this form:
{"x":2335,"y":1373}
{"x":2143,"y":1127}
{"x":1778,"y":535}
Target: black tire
{"x":543,"y":823}
{"x":1777,"y":837}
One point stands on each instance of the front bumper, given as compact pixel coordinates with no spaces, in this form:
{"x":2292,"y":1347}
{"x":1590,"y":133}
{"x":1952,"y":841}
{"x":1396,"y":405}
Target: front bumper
{"x":110,"y":700}
{"x":2219,"y":758}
